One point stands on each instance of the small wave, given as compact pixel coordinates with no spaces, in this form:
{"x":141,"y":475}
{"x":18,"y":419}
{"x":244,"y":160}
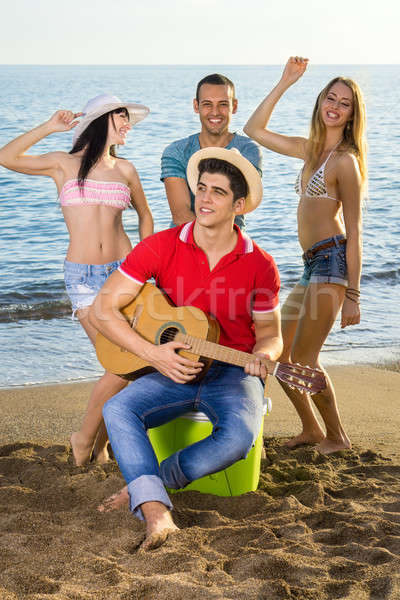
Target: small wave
{"x":393,"y":276}
{"x":357,"y":345}
{"x":35,"y":312}
{"x":62,"y":381}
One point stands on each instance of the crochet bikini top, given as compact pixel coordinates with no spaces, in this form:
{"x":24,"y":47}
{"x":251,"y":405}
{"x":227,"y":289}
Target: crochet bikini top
{"x":105,"y":193}
{"x":316,"y":186}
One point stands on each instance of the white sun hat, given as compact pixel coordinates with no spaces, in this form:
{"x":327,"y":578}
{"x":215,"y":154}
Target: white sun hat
{"x":104,"y":103}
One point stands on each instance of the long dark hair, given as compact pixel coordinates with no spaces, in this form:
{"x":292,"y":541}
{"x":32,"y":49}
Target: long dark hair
{"x":92,"y":141}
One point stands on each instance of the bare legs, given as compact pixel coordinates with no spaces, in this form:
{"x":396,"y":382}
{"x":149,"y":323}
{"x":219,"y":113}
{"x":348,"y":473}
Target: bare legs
{"x":292,"y":311}
{"x":307,"y":318}
{"x":92,"y":435}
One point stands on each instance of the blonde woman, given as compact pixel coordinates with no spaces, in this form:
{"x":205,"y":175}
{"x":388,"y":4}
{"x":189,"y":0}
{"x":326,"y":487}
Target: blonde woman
{"x":94,"y":187}
{"x":330,"y":188}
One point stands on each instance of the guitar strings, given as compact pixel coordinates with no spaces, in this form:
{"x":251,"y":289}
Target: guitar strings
{"x":170,"y":334}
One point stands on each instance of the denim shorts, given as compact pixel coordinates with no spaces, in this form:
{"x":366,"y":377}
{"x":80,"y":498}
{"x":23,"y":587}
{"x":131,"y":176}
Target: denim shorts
{"x":83,"y":282}
{"x":327,"y":265}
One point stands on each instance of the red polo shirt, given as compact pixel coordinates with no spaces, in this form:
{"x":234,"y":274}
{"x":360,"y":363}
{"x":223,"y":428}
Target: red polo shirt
{"x":244,"y":282}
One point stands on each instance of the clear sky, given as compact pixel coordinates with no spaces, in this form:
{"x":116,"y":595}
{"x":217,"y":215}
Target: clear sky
{"x":199,"y":31}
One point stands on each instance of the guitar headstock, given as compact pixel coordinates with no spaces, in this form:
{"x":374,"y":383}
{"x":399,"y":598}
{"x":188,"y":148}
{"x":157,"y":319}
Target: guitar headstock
{"x":303,"y":378}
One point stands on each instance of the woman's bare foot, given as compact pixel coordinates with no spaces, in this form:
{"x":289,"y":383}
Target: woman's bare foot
{"x":328,"y":446}
{"x":100,"y":453}
{"x":115,"y":501}
{"x":305,"y":439}
{"x":80,"y":450}
{"x":100,"y":456}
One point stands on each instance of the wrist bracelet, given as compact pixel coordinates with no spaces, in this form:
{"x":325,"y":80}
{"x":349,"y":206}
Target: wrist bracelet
{"x":352,"y":299}
{"x":353,"y":291}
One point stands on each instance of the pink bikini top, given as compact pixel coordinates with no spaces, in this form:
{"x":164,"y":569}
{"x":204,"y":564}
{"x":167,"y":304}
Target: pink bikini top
{"x":105,"y":193}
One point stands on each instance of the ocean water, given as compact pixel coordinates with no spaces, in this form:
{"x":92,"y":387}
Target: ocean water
{"x":39,"y":341}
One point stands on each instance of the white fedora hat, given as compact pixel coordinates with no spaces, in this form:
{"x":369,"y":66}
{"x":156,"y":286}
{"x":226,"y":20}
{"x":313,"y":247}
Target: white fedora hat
{"x":100,"y":105}
{"x":232,"y":156}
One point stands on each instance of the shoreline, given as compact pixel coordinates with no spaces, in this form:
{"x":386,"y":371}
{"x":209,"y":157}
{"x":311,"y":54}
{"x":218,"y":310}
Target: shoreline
{"x":389,"y":364}
{"x":365,"y":394}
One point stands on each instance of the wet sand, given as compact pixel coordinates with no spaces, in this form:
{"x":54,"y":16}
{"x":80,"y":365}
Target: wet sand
{"x":317,"y":528}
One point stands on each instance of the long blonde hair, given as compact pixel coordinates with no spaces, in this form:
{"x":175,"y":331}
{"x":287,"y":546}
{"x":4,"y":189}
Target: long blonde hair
{"x":353,"y":135}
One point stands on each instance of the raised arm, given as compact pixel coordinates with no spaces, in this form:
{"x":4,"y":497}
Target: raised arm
{"x":349,"y":181}
{"x":146,"y":225}
{"x":256,"y":126}
{"x":13,"y":157}
{"x":178,"y":196}
{"x":105,"y":316}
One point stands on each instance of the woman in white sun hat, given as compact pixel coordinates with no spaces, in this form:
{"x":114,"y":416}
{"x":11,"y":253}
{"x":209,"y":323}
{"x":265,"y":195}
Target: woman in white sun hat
{"x":94,"y":187}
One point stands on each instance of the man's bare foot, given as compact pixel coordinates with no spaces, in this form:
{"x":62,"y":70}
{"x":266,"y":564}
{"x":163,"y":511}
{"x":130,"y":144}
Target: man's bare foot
{"x":159,"y":524}
{"x":115,"y":501}
{"x":328,"y":446}
{"x":157,"y":539}
{"x":305,"y":439}
{"x":80,"y":450}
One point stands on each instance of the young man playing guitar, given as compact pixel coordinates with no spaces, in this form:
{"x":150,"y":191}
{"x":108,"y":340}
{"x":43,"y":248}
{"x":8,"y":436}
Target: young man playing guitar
{"x":212,"y":265}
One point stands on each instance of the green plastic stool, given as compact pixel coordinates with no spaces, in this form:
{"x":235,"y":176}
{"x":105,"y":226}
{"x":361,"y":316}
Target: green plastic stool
{"x":239,"y":478}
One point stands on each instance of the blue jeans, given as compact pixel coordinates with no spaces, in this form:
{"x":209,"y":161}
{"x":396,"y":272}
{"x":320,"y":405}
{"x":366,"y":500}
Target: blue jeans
{"x":327,"y":265}
{"x":232,"y":400}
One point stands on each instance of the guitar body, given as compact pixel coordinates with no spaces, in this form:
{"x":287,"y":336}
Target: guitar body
{"x":153,"y":316}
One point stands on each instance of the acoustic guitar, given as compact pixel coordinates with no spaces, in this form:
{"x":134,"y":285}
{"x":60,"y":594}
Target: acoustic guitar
{"x":153,"y":316}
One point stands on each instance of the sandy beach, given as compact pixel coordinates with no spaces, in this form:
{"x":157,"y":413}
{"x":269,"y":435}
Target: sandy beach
{"x":317,"y":528}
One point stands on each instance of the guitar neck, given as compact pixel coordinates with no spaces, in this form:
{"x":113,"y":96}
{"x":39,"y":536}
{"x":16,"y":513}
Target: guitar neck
{"x":222,"y":353}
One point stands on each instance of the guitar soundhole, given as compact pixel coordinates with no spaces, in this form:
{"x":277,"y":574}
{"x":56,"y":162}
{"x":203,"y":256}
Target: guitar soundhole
{"x":168,"y":335}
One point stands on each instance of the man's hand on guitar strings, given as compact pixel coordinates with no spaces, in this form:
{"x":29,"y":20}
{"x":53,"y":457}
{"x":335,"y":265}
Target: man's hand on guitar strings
{"x":256,"y":367}
{"x":167,"y":361}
